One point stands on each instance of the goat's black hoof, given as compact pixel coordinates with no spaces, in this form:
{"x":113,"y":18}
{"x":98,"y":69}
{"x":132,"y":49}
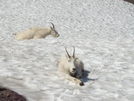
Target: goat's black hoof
{"x":81,"y":84}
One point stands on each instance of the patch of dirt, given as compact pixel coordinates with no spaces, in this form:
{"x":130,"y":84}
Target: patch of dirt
{"x":9,"y":95}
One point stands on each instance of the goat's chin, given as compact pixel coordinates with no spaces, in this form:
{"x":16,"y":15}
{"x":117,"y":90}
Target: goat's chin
{"x":73,"y":71}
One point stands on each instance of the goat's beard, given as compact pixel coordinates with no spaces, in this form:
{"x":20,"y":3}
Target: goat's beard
{"x":73,"y":73}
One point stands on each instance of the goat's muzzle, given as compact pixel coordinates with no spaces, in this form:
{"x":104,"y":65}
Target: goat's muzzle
{"x":74,"y":69}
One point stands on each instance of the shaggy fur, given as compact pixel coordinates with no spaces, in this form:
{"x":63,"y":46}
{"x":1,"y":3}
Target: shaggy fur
{"x":36,"y":33}
{"x":71,"y":68}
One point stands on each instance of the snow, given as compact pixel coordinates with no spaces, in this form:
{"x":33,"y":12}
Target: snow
{"x":102,"y":32}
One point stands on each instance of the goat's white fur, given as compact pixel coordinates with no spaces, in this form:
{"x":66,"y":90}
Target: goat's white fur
{"x":37,"y":32}
{"x":71,"y":68}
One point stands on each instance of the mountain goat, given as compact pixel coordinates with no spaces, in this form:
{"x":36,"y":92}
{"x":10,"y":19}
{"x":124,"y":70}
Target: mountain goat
{"x":71,"y":68}
{"x":37,"y":32}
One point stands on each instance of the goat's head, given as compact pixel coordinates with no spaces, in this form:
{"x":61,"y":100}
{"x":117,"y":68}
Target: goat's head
{"x":54,"y":33}
{"x":71,"y":61}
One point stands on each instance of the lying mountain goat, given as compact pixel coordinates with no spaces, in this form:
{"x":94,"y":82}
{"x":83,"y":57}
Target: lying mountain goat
{"x":71,"y":67}
{"x":37,"y":32}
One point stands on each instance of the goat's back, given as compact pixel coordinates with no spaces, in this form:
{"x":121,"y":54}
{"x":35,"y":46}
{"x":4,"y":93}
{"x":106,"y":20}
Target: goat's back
{"x":62,"y":63}
{"x":27,"y":34}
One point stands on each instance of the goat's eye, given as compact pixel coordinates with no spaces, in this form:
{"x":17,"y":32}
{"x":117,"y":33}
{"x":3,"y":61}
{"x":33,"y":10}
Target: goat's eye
{"x":69,"y":60}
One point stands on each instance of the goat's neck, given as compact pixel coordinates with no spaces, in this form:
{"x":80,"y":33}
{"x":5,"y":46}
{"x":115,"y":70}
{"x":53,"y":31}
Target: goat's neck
{"x":48,"y":31}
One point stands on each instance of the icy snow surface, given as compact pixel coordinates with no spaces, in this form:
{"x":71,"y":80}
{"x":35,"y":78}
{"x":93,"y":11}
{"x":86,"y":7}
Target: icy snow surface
{"x":102,"y":32}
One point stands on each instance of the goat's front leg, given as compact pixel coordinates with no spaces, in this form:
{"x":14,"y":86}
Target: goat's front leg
{"x":37,"y":37}
{"x":75,"y":80}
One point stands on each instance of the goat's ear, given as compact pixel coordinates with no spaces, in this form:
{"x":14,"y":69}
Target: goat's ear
{"x":68,"y":58}
{"x":51,"y":28}
{"x":53,"y":25}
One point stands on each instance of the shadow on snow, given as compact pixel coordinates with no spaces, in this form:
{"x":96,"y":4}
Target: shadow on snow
{"x":85,"y":77}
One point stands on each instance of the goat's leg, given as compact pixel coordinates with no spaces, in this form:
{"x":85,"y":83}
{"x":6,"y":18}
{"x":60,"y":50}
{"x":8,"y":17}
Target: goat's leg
{"x":37,"y":37}
{"x":75,"y":80}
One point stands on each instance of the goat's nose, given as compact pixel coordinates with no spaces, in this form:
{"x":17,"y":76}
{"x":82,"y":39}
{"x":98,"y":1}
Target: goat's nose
{"x":74,"y":69}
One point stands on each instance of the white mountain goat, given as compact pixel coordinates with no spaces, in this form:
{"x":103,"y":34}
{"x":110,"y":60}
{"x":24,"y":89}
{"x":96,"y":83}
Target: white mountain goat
{"x":37,"y":32}
{"x":71,"y":68}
